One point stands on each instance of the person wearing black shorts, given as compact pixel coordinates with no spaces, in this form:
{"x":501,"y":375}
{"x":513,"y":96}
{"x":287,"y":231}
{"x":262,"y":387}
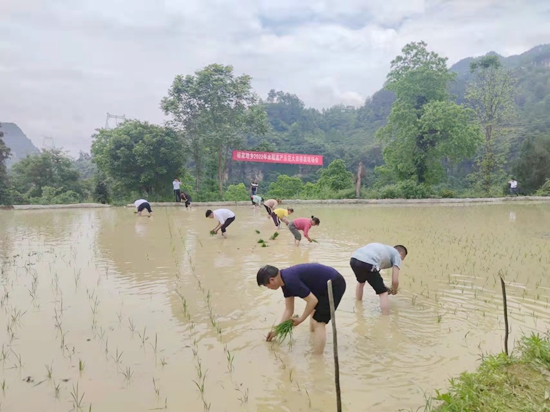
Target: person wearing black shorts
{"x":224,"y":216}
{"x":366,"y":263}
{"x":142,"y":204}
{"x":186,"y":198}
{"x":309,"y":282}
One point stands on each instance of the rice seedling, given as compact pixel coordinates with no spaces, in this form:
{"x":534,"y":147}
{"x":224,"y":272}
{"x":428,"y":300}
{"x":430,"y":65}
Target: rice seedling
{"x":57,"y":389}
{"x":128,"y":373}
{"x":230,"y":359}
{"x":257,"y":231}
{"x":81,"y":365}
{"x":4,"y":387}
{"x":143,"y":336}
{"x":283,"y":330}
{"x":163,"y":362}
{"x":261,"y":241}
{"x":274,"y":236}
{"x":117,"y":356}
{"x":157,"y":390}
{"x":314,"y":240}
{"x":77,"y":398}
{"x":264,"y":245}
{"x":155,"y":346}
{"x":49,"y":370}
{"x":131,"y":325}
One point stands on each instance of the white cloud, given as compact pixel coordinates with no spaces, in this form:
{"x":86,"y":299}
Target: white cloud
{"x":65,"y":63}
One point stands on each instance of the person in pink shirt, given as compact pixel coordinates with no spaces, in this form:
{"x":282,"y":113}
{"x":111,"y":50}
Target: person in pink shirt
{"x":304,"y":225}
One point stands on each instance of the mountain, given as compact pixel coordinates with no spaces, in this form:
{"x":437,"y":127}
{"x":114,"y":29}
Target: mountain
{"x":348,"y":133}
{"x":20,"y":145}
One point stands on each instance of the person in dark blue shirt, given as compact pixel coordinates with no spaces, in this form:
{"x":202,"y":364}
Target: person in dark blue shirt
{"x":309,"y":282}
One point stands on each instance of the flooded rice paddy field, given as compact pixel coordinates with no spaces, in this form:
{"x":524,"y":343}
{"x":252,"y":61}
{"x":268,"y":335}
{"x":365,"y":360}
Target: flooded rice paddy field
{"x":104,"y":311}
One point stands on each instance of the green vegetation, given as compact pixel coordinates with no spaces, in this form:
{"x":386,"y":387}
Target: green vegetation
{"x":5,"y":196}
{"x":284,"y":330}
{"x":502,"y":383}
{"x":433,"y":131}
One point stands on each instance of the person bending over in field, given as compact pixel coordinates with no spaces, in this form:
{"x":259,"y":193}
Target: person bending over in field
{"x":224,"y":216}
{"x":256,"y":201}
{"x":367,"y":261}
{"x":303,"y":224}
{"x":281,"y":215}
{"x":309,"y":282}
{"x":186,"y":198}
{"x":270,"y":206}
{"x":142,"y":204}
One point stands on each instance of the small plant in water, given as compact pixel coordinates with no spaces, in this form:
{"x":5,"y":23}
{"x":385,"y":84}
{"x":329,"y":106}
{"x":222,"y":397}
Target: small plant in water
{"x":77,"y":398}
{"x":81,"y":365}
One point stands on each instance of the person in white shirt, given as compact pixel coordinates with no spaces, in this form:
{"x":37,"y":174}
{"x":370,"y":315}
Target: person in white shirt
{"x":513,"y":187}
{"x":256,"y":201}
{"x":224,"y":216}
{"x":141,"y":204}
{"x":177,"y":192}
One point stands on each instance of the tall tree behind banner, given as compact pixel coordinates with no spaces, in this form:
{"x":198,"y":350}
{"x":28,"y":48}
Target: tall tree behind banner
{"x":214,"y":110}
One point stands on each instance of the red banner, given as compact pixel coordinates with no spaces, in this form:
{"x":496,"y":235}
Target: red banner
{"x":271,"y":157}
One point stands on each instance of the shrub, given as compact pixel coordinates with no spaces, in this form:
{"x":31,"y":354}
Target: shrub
{"x":544,"y":189}
{"x":336,"y":176}
{"x":411,"y":190}
{"x":447,"y":193}
{"x":236,"y":193}
{"x":285,"y":187}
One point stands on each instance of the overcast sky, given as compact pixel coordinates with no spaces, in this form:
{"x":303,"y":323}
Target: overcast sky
{"x":65,"y":63}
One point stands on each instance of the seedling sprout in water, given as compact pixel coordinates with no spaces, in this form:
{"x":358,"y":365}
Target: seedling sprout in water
{"x":274,"y":236}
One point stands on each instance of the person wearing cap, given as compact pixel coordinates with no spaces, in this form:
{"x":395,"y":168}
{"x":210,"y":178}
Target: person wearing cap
{"x":309,"y":282}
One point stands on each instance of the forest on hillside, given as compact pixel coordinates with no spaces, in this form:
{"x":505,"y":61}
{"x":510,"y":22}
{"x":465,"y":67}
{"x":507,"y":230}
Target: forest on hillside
{"x":432,"y":131}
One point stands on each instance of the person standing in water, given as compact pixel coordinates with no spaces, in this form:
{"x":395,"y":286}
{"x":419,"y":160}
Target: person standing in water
{"x":281,"y":214}
{"x":270,"y":206}
{"x":256,"y":201}
{"x":254,"y":187}
{"x":176,"y":185}
{"x":224,"y":216}
{"x":304,"y":225}
{"x":309,"y":282}
{"x":367,"y":261}
{"x":142,"y":204}
{"x":185,"y":197}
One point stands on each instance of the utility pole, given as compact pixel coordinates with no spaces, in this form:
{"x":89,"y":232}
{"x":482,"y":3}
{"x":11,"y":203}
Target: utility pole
{"x":116,"y":117}
{"x":48,"y":143}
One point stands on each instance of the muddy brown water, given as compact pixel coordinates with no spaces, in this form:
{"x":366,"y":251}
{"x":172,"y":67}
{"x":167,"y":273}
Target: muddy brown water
{"x":137,"y":314}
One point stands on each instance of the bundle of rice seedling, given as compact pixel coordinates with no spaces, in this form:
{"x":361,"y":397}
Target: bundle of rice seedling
{"x":257,"y":231}
{"x":264,"y":245}
{"x":212,"y":233}
{"x":313,"y":240}
{"x":274,"y":236}
{"x":261,"y":241}
{"x":283,"y":330}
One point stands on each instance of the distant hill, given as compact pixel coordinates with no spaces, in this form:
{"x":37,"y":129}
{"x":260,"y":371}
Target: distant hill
{"x":20,"y":145}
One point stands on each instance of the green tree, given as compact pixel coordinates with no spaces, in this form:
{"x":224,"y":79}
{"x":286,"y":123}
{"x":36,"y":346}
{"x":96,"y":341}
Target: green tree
{"x":532,"y":168}
{"x":491,"y":94}
{"x":214,"y":110}
{"x":139,"y":155}
{"x":336,"y":176}
{"x":285,"y":187}
{"x":5,"y":197}
{"x":424,"y":127}
{"x":51,"y":168}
